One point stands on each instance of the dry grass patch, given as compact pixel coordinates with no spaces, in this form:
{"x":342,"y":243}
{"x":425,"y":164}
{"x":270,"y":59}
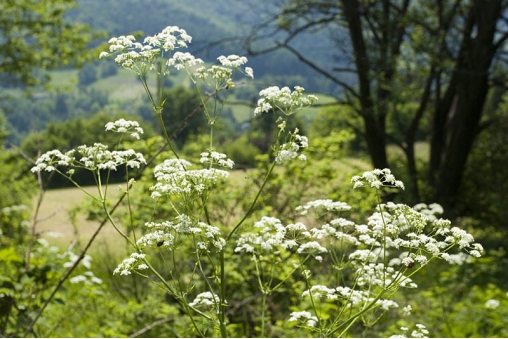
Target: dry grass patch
{"x":56,"y":225}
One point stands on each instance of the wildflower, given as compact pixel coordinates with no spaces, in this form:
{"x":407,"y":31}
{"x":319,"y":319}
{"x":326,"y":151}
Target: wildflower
{"x":157,"y":238}
{"x":249,"y":72}
{"x":173,"y":177}
{"x":85,"y":261}
{"x":77,"y":279}
{"x":206,"y":299}
{"x":232,"y":60}
{"x":97,"y":157}
{"x":312,"y":247}
{"x":327,"y":205}
{"x":304,"y":317}
{"x":363,"y":255}
{"x":52,"y":159}
{"x":125,"y":126}
{"x":492,"y":304}
{"x":182,"y":60}
{"x":141,"y":58}
{"x":457,"y":259}
{"x":406,"y":310}
{"x":88,"y":278}
{"x":170,"y":38}
{"x":129,"y":264}
{"x":386,"y":304}
{"x":318,"y":291}
{"x":222,"y":75}
{"x":287,"y":101}
{"x":377,"y":178}
{"x":216,"y":158}
{"x":341,"y":222}
{"x":420,"y":332}
{"x":290,"y":150}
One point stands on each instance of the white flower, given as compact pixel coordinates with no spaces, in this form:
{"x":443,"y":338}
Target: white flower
{"x":77,"y":279}
{"x":406,"y":310}
{"x":377,"y":178}
{"x":88,"y":278}
{"x":420,"y":332}
{"x":182,"y":60}
{"x":327,"y":205}
{"x":312,"y":247}
{"x":206,"y":299}
{"x":216,"y":158}
{"x":129,"y":264}
{"x":319,"y":291}
{"x":125,"y":126}
{"x":97,"y":157}
{"x":249,"y":72}
{"x":386,"y":304}
{"x":158,"y":238}
{"x":304,"y":317}
{"x":492,"y":304}
{"x":283,"y":99}
{"x":141,"y":58}
{"x":52,"y":159}
{"x":232,"y":60}
{"x":173,"y":177}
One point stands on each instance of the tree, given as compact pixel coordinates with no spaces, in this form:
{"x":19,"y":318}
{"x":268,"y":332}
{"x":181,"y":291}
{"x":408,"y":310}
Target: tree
{"x":442,"y":49}
{"x":87,"y":75}
{"x":179,"y":101}
{"x":34,"y":35}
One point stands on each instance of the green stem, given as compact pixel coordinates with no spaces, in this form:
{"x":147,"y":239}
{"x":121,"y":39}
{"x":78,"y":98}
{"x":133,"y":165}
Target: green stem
{"x":254,"y":202}
{"x":222,"y":314}
{"x":158,"y":109}
{"x":263,"y":309}
{"x":384,"y":239}
{"x":180,"y":298}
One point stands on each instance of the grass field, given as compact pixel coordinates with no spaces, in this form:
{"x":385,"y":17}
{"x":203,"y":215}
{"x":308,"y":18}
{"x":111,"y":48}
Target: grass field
{"x":56,"y":225}
{"x":55,"y":222}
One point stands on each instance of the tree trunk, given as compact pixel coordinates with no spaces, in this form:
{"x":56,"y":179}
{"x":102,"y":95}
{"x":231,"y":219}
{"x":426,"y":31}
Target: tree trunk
{"x":375,"y":126}
{"x":471,"y":89}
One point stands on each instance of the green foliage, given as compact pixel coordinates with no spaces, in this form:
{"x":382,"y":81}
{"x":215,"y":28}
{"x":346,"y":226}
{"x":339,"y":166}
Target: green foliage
{"x":87,"y":74}
{"x":34,"y":35}
{"x":26,"y":116}
{"x":15,"y":192}
{"x":455,"y":301}
{"x":179,"y":103}
{"x":340,"y":119}
{"x":108,"y":69}
{"x":243,"y":151}
{"x":29,"y":268}
{"x":257,"y":290}
{"x":486,"y":178}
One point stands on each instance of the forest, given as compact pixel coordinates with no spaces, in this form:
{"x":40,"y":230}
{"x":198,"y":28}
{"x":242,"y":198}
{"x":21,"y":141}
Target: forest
{"x":253,"y":168}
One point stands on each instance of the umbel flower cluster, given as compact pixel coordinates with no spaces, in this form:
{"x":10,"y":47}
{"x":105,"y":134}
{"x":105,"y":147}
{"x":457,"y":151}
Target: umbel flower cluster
{"x":382,"y":254}
{"x":283,"y":99}
{"x":97,"y":157}
{"x":141,"y":58}
{"x":370,"y":260}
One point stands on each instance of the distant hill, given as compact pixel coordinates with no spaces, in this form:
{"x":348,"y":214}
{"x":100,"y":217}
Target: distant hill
{"x":208,"y":21}
{"x":205,"y":20}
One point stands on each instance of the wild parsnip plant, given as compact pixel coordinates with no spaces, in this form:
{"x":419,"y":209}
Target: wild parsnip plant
{"x":347,"y":272}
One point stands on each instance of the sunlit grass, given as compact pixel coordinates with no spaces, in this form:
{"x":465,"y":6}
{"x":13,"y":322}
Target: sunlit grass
{"x":56,"y":225}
